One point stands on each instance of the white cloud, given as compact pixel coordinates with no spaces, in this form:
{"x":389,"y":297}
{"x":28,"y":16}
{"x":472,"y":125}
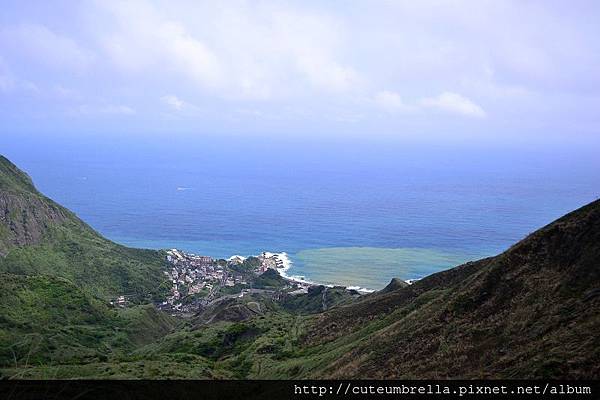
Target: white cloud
{"x":392,"y":102}
{"x":7,"y":83}
{"x":143,"y":39}
{"x":173,"y":102}
{"x":37,"y":43}
{"x":180,"y":106}
{"x":107,"y":109}
{"x":312,"y":43}
{"x":446,"y":101}
{"x":65,"y":93}
{"x":454,"y":103}
{"x":318,"y":58}
{"x":117,"y":109}
{"x":194,"y":57}
{"x":243,"y":51}
{"x":10,"y":83}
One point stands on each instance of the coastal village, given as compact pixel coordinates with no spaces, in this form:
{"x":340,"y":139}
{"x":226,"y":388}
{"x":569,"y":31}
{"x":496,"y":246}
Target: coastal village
{"x":197,"y":280}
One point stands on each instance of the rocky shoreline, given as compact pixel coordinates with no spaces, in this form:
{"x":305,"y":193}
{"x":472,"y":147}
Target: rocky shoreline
{"x":198,"y":282}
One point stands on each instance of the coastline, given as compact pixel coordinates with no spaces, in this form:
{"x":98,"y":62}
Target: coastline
{"x":286,"y":264}
{"x":356,"y":267}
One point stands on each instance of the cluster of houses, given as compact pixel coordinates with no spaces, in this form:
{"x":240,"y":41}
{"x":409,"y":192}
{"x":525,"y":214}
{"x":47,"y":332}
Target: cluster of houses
{"x":266,"y":261}
{"x":269,"y":260}
{"x":120,"y":301}
{"x":190,"y":274}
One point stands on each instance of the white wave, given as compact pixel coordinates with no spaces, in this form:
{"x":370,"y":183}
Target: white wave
{"x":360,"y":289}
{"x":286,"y":264}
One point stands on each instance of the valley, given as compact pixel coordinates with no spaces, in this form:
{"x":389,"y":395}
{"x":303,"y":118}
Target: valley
{"x":76,"y":305}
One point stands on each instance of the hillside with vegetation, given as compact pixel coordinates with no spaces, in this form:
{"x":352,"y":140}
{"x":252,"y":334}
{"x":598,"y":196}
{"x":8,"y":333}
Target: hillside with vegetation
{"x":38,"y":236}
{"x":532,"y":311}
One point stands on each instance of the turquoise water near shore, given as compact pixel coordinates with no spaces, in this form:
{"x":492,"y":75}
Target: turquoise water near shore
{"x":357,"y":216}
{"x":369,"y":267}
{"x":363,"y":267}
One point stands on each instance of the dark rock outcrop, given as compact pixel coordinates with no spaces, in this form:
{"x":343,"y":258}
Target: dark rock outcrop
{"x":395,"y":283}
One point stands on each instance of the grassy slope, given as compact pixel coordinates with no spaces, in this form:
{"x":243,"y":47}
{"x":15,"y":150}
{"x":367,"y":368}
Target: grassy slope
{"x":532,"y":311}
{"x":74,"y":252}
{"x":48,"y":321}
{"x":38,"y":236}
{"x":223,"y":350}
{"x":12,"y":178}
{"x":56,"y":276}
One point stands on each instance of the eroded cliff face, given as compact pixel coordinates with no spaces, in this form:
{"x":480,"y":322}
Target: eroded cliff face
{"x":24,"y":218}
{"x":40,"y":237}
{"x":25,"y":214}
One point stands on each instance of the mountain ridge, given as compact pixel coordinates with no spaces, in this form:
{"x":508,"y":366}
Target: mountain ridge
{"x":37,"y":235}
{"x":12,"y":178}
{"x":532,"y":311}
{"x":500,"y":311}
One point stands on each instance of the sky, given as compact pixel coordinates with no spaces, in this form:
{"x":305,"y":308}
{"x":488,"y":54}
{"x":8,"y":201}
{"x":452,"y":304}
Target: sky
{"x":427,"y":70}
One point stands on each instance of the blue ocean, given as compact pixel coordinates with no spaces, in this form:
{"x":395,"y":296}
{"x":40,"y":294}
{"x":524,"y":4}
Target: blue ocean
{"x":350,"y":212}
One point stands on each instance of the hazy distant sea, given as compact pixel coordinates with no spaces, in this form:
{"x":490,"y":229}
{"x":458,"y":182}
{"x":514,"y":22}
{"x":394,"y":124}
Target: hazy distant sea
{"x":352,"y":214}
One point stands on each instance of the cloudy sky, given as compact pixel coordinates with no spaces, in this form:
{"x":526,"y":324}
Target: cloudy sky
{"x":426,"y":68}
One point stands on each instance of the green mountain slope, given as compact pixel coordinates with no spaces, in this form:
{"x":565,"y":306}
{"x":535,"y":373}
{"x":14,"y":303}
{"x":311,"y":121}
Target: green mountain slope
{"x":56,"y":277}
{"x":38,"y":236}
{"x":47,"y":320}
{"x":530,"y":312}
{"x":533,"y":311}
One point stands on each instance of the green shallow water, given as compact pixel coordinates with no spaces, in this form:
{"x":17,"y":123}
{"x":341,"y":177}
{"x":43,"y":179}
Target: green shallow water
{"x":372,"y":267}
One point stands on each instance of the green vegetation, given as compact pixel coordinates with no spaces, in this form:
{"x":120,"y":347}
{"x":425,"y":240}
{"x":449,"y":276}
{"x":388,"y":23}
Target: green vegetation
{"x":38,"y":236}
{"x":318,"y":299}
{"x":49,"y":321}
{"x":57,"y":276}
{"x":13,"y":179}
{"x":270,"y":279}
{"x":104,"y":268}
{"x":235,"y":349}
{"x":531,"y":312}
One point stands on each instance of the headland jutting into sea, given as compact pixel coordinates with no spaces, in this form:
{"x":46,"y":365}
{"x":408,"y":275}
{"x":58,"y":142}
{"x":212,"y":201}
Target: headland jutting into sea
{"x":198,"y":281}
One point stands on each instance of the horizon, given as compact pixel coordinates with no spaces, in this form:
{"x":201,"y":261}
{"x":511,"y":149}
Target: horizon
{"x":411,"y":188}
{"x":487,"y":108}
{"x":406,"y":210}
{"x":114,"y":202}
